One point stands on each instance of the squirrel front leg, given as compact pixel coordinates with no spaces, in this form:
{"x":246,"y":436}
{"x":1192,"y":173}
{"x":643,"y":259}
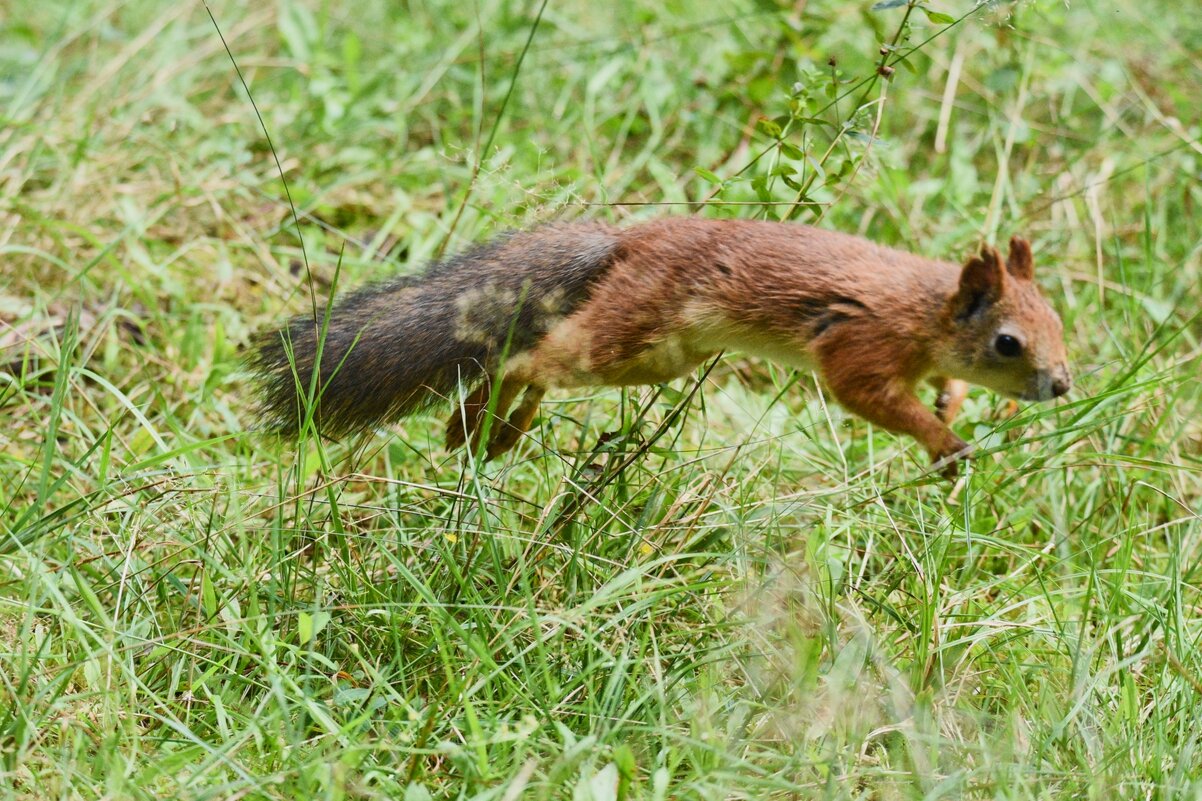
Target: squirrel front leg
{"x":952,"y":392}
{"x":890,"y":404}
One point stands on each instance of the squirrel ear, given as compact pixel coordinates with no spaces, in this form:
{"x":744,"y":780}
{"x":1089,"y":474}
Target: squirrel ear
{"x":981,"y":283}
{"x":1020,"y":264}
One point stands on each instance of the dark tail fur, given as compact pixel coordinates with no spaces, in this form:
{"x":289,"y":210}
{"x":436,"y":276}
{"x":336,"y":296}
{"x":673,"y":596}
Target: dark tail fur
{"x":393,"y":348}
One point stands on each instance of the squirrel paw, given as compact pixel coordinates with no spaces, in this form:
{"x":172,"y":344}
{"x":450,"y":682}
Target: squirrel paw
{"x":502,"y":440}
{"x":947,"y":460}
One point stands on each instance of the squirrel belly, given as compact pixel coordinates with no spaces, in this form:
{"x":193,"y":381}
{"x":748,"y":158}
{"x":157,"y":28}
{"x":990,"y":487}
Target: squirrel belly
{"x":585,"y":304}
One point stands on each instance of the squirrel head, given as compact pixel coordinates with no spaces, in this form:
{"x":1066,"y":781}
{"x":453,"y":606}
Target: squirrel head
{"x":1003,"y":334}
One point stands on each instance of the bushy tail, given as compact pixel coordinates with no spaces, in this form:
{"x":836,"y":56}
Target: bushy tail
{"x":393,"y":348}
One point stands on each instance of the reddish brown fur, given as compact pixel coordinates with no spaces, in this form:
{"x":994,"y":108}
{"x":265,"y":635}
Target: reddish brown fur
{"x":873,"y":321}
{"x":586,"y":304}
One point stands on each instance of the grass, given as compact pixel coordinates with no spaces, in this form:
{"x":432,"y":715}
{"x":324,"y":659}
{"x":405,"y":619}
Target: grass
{"x":722,"y":588}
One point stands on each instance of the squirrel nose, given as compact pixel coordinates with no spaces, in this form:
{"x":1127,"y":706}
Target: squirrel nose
{"x":1061,"y":385}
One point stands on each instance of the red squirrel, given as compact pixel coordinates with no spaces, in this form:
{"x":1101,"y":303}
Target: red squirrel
{"x":588,"y":304}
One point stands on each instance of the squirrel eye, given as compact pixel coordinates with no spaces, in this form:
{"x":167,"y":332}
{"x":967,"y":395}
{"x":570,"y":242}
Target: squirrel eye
{"x":1008,"y":346}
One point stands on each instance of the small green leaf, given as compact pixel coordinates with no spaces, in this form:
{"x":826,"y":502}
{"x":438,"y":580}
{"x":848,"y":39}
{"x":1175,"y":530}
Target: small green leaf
{"x":791,"y":151}
{"x":671,"y":394}
{"x":707,"y":175}
{"x":304,"y":627}
{"x":760,"y":185}
{"x":309,"y":626}
{"x":624,"y":759}
{"x":938,"y":17}
{"x":208,"y":596}
{"x":769,"y":127}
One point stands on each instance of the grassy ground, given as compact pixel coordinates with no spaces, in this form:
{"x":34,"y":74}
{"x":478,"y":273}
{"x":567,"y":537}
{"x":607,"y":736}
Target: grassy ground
{"x":718,"y":589}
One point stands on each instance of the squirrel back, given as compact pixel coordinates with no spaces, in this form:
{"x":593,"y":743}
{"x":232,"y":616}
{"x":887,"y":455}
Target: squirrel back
{"x":392,"y":348}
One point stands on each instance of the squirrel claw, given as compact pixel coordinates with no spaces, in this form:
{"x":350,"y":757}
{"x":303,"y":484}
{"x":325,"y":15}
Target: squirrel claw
{"x":948,"y":462}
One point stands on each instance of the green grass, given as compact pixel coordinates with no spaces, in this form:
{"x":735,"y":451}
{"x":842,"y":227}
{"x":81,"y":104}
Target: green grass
{"x":720,"y":589}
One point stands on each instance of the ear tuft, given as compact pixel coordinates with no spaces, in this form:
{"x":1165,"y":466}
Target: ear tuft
{"x":981,"y":283}
{"x":1020,"y":264}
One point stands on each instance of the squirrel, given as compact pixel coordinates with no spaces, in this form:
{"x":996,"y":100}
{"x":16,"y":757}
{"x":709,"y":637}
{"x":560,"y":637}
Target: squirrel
{"x":589,"y":304}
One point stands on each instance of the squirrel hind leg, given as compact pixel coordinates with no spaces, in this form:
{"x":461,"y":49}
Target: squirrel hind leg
{"x":465,"y":417}
{"x":509,"y":433}
{"x":467,"y":420}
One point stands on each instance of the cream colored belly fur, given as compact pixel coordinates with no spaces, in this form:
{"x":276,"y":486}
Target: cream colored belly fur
{"x":566,"y":356}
